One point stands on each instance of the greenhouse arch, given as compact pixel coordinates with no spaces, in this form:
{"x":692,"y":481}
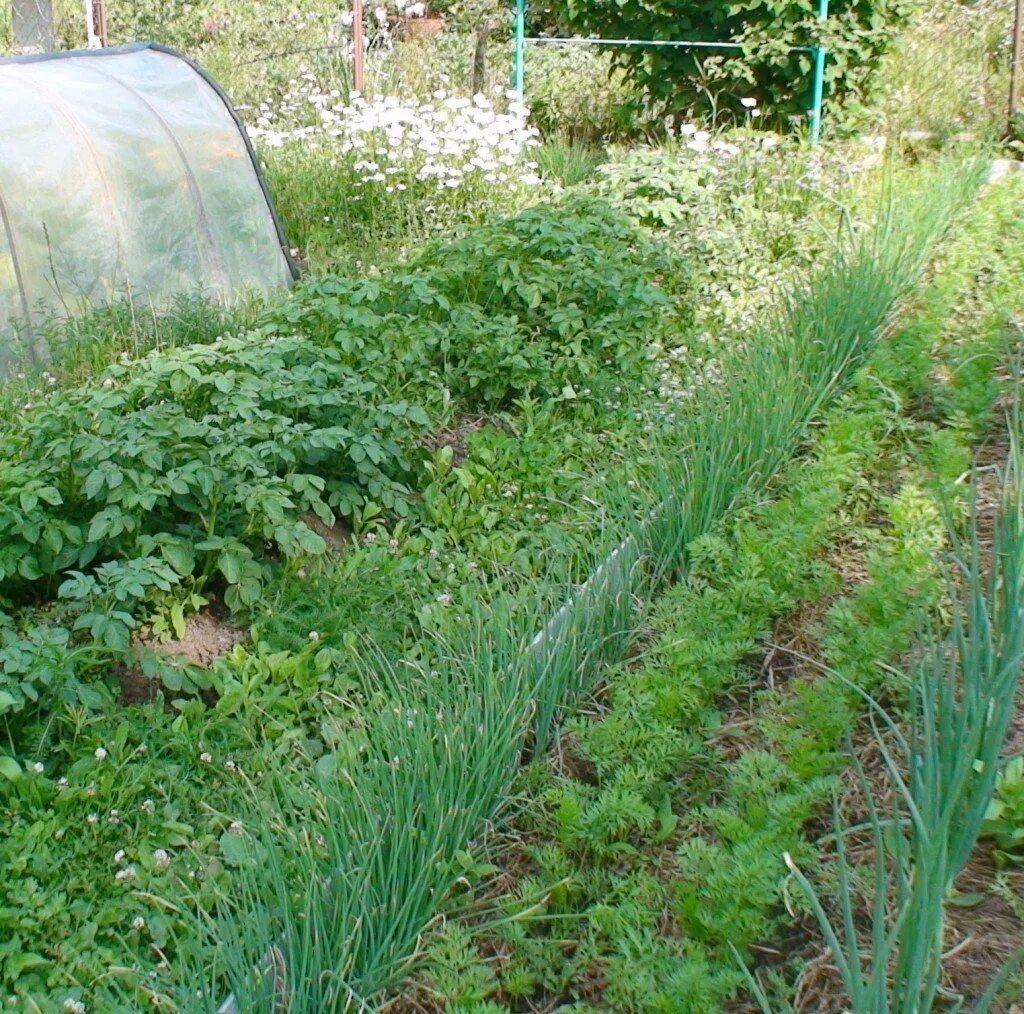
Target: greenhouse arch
{"x":124,"y":173}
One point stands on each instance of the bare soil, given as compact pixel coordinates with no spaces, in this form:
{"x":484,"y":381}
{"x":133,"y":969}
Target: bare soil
{"x":337,"y":536}
{"x":207,"y":638}
{"x":457,"y":437}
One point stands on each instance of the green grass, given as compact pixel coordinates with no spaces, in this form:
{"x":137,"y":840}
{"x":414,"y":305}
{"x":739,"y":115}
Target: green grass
{"x":567,"y":162}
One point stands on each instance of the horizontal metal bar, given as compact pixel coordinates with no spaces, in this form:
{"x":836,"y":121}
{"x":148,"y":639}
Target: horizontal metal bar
{"x":546,"y":40}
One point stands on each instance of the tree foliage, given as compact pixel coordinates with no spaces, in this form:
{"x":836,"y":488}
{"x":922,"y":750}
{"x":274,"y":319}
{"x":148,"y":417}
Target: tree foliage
{"x":676,"y":80}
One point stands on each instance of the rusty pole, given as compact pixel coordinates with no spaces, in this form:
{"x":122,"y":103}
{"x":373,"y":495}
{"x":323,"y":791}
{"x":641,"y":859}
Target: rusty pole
{"x":101,"y":22}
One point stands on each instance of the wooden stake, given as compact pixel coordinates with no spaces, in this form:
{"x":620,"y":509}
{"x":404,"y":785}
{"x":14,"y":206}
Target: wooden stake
{"x":359,"y":54}
{"x":1015,"y":66}
{"x":101,"y":22}
{"x":96,"y":23}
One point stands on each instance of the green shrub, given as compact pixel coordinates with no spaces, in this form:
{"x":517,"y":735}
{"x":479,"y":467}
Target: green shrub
{"x":676,"y":79}
{"x":533,"y":306}
{"x":736,"y":209}
{"x":186,"y":472}
{"x":577,"y":92}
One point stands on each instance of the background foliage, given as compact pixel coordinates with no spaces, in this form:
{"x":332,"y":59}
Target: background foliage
{"x":680,"y":80}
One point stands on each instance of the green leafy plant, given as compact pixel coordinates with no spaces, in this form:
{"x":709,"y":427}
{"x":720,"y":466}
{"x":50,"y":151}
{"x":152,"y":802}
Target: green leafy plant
{"x":677,"y":80}
{"x":1004,"y":818}
{"x":964,"y":694}
{"x":175,"y":477}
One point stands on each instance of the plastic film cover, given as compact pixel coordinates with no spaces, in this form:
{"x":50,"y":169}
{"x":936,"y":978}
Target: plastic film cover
{"x":124,"y":173}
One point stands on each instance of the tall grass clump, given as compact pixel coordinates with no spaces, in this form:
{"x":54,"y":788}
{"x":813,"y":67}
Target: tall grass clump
{"x":361,"y":850}
{"x":943,"y":772}
{"x":741,"y":429}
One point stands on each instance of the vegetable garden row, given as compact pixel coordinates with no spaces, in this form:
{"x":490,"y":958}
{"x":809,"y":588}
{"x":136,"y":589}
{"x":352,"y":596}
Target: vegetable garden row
{"x":405,"y":784}
{"x":320,"y":795}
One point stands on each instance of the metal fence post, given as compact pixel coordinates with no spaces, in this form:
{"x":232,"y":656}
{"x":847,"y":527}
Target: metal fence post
{"x":520,"y":50}
{"x":819,"y":77}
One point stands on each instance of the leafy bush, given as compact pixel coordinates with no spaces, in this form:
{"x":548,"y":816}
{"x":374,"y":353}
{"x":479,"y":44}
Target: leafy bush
{"x":729,"y":203}
{"x":678,"y":79}
{"x":577,"y":91}
{"x":536,"y":305}
{"x":187,"y":470}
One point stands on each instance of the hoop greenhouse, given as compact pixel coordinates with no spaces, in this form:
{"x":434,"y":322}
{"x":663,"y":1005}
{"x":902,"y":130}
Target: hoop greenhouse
{"x":124,"y":173}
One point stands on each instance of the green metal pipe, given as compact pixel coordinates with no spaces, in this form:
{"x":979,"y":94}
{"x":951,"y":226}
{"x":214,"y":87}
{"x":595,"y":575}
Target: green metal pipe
{"x":818,"y":97}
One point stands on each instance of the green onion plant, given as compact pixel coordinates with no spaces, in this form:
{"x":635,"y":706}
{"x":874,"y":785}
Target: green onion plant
{"x":944,"y":772}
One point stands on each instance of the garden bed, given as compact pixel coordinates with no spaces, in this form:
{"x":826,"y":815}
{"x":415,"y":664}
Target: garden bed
{"x":392,"y":482}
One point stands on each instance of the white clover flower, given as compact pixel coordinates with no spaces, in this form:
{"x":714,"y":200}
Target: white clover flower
{"x":206,"y":757}
{"x":748,"y":103}
{"x":62,"y":784}
{"x":92,"y":818}
{"x":445,"y":599}
{"x":138,"y":923}
{"x":161,"y":859}
{"x":314,"y":635}
{"x":119,"y":856}
{"x":125,"y":875}
{"x":148,"y":806}
{"x":100,"y":753}
{"x":73,"y":1006}
{"x":38,"y":767}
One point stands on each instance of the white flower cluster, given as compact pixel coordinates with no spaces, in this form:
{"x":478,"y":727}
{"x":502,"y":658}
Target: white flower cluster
{"x":449,"y":141}
{"x":394,"y":143}
{"x":381,"y":15}
{"x":306,"y":109}
{"x":701,"y":142}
